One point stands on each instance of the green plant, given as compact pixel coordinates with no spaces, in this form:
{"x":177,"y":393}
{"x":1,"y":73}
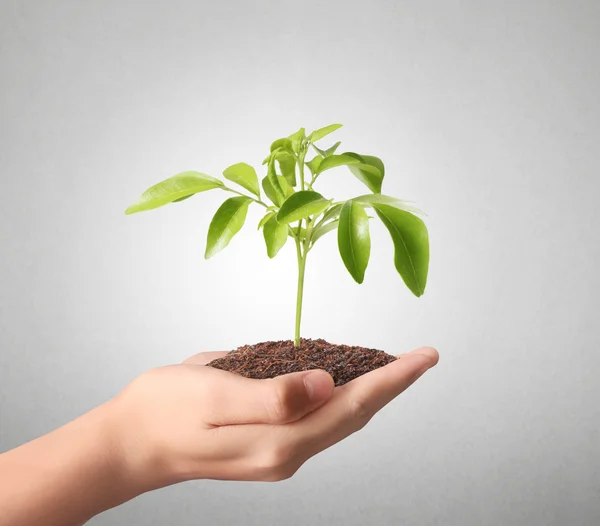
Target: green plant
{"x":304,"y":215}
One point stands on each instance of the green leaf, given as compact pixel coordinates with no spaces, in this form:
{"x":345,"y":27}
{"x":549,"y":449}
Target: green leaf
{"x":278,"y":148}
{"x":276,"y":235}
{"x":183,"y":198}
{"x":369,"y":174}
{"x":333,"y":212}
{"x":286,"y":187}
{"x":370,"y":199}
{"x":323,"y":229}
{"x":295,"y":232}
{"x":244,"y":175}
{"x":330,"y":151}
{"x":411,"y":245}
{"x":226,"y":223}
{"x":172,"y":189}
{"x":297,"y":139}
{"x":336,"y":160}
{"x":314,"y":163}
{"x":354,"y":240}
{"x":284,"y":143}
{"x":302,"y":204}
{"x":270,"y":192}
{"x":322,"y":132}
{"x":375,"y":162}
{"x":287,"y":164}
{"x":265,"y":218}
{"x":278,"y":191}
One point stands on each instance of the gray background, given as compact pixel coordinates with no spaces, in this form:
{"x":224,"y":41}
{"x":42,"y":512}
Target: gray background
{"x":486,"y":114}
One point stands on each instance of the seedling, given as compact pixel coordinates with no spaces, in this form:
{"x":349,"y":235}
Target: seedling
{"x":300,"y":213}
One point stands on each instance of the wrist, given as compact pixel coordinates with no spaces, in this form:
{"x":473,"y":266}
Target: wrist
{"x":102,"y":462}
{"x":143,"y":464}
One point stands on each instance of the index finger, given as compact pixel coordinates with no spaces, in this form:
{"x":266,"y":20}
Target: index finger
{"x":355,"y":403}
{"x":372,"y":391}
{"x":203,"y":358}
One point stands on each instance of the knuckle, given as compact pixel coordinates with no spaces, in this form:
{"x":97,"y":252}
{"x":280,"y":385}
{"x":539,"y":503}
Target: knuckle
{"x":359,"y":413}
{"x":276,"y":463}
{"x":277,"y":475}
{"x":280,"y":456}
{"x":278,"y":403}
{"x":285,"y":473}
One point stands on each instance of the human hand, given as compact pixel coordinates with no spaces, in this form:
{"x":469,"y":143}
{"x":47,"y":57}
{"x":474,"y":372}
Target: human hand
{"x":190,"y":421}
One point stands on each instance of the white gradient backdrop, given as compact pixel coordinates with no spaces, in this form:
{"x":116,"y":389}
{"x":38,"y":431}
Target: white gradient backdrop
{"x":485,"y":113}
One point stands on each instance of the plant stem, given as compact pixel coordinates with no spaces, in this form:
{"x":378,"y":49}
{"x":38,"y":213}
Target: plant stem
{"x":300,"y":159}
{"x":301,"y":254}
{"x":302,"y":250}
{"x":301,"y":268}
{"x":227,"y":189}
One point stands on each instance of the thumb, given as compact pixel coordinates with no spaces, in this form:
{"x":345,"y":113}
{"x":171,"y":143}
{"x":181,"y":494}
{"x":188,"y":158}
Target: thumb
{"x":279,"y":400}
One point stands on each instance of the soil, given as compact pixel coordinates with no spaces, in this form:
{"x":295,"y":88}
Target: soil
{"x":271,"y":359}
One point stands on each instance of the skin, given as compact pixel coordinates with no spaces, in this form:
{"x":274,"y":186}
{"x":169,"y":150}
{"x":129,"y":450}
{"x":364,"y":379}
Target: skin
{"x":188,"y":421}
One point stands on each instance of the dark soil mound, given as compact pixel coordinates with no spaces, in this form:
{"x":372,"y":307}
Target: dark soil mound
{"x":270,"y":359}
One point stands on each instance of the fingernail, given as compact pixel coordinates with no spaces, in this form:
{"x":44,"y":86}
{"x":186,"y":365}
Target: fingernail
{"x":430,"y":354}
{"x":318,"y":384}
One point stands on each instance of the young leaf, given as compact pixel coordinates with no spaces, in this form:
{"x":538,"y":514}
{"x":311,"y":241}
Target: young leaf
{"x":287,"y":164}
{"x":285,"y":144}
{"x":276,"y":235}
{"x":322,"y":132}
{"x":300,"y":205}
{"x":172,"y":189}
{"x":244,"y":175}
{"x":369,"y":199}
{"x":336,"y":160}
{"x":327,"y":153}
{"x":265,"y":218}
{"x":278,"y":191}
{"x":270,"y":192}
{"x":286,"y":187}
{"x":332,"y":213}
{"x":411,"y":245}
{"x":292,"y":232}
{"x":314,"y":163}
{"x":354,"y":240}
{"x":368,"y":171}
{"x":225,"y":224}
{"x":323,"y":229}
{"x":375,"y":162}
{"x":297,"y":138}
